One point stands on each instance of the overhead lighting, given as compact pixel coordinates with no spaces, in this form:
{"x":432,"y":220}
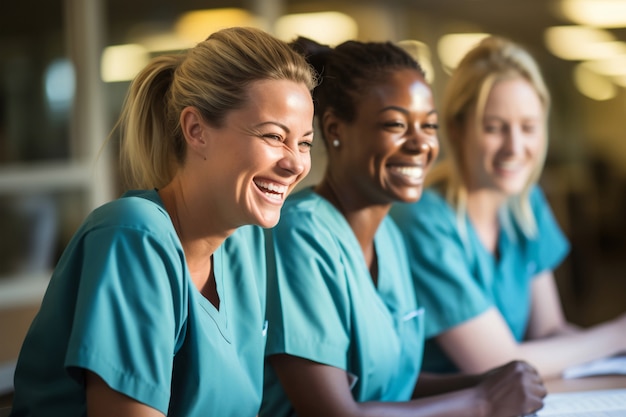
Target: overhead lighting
{"x":593,"y":85}
{"x":197,"y":25}
{"x":581,"y":43}
{"x":614,"y":66}
{"x":329,"y":28}
{"x":421,"y":53}
{"x":599,"y":13}
{"x":620,"y":80}
{"x":123,"y":62}
{"x":453,"y":47}
{"x":190,"y":29}
{"x":164,"y":42}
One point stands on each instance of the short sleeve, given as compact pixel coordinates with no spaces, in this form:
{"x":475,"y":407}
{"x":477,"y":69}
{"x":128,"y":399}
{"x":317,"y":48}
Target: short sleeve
{"x":128,"y":312}
{"x":304,"y":278}
{"x":551,"y":245}
{"x":441,"y":268}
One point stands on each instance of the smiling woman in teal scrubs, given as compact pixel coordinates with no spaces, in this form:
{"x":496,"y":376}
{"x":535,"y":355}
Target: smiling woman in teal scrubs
{"x":483,"y":241}
{"x":151,"y":311}
{"x":345,"y":331}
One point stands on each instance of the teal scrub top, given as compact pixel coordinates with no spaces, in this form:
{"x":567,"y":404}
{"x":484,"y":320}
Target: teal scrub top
{"x":121,"y":304}
{"x":456,"y":282}
{"x":323,"y":305}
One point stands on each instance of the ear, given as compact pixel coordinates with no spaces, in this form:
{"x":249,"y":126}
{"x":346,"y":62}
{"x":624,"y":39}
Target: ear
{"x":331,"y":126}
{"x":194,"y":129}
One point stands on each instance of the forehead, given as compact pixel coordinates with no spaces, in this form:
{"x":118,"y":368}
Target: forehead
{"x":513,"y":95}
{"x":274,"y":98}
{"x":406,"y":88}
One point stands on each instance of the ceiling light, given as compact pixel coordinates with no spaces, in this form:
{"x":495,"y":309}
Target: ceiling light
{"x":421,"y":53}
{"x":453,"y":47}
{"x":123,"y":62}
{"x":593,"y":85}
{"x":614,"y":66}
{"x":197,"y":25}
{"x":329,"y":28}
{"x":581,"y":43}
{"x":600,"y":13}
{"x":620,"y":80}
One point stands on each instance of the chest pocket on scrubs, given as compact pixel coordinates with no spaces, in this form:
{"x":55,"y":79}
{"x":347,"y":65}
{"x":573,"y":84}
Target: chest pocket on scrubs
{"x":411,"y":332}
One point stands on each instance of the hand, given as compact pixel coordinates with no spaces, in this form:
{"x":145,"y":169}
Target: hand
{"x":511,"y":390}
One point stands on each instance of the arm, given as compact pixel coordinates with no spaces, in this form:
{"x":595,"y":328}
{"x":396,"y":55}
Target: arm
{"x":102,"y":401}
{"x":486,"y":341}
{"x":434,"y":383}
{"x":546,"y":313}
{"x":315,"y":389}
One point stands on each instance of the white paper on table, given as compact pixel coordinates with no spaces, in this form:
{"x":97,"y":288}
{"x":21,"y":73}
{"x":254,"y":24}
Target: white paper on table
{"x":613,"y":365}
{"x":607,"y":403}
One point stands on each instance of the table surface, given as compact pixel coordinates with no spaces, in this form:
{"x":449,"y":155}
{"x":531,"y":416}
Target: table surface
{"x":586,"y":384}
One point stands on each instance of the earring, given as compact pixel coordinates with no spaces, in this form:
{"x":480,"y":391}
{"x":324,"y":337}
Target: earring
{"x":336,"y":143}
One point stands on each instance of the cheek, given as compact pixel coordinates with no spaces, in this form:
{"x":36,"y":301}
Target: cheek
{"x":306,"y":163}
{"x":435,"y":147}
{"x":536,"y":145}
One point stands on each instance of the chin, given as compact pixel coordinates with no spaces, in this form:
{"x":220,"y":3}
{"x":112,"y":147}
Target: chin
{"x":510,"y":191}
{"x":408,"y":197}
{"x":268,"y":221}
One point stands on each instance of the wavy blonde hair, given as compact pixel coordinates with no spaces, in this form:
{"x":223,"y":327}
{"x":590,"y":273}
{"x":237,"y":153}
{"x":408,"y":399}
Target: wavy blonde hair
{"x":494,"y":59}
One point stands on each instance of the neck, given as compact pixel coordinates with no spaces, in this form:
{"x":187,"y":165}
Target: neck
{"x":198,"y":243}
{"x":363,"y":219}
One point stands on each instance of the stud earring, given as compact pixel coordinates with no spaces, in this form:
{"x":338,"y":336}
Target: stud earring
{"x":336,"y":143}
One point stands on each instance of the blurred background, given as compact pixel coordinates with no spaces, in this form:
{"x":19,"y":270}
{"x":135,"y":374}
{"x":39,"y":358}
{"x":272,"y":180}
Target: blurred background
{"x":65,"y":66}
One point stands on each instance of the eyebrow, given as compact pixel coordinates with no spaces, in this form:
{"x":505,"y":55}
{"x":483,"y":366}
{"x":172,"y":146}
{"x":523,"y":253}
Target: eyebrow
{"x":524,"y":118}
{"x":403,"y":110}
{"x":282,"y":126}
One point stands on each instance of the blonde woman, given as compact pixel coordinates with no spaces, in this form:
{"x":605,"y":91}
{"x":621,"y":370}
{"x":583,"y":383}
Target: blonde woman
{"x":149,"y":312}
{"x":483,"y":241}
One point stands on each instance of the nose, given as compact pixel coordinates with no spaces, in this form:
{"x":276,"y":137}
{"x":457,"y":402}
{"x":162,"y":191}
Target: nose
{"x":418,"y":142}
{"x":514,"y":140}
{"x":294,"y":162}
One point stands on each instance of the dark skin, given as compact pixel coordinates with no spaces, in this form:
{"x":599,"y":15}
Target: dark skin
{"x":382,"y":158}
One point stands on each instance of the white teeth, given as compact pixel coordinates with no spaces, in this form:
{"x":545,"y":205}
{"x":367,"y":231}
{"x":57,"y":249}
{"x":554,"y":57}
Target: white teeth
{"x":273,"y":187}
{"x":412,"y":172}
{"x":274,"y":196}
{"x":511,"y":165}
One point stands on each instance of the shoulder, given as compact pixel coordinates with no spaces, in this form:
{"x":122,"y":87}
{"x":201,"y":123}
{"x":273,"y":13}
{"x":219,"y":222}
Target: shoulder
{"x":432,"y":203}
{"x":307,"y":210}
{"x":303,"y":201}
{"x":137,"y":210}
{"x":310,"y":228}
{"x":541,"y":209}
{"x":431,"y":212}
{"x":537,"y":198}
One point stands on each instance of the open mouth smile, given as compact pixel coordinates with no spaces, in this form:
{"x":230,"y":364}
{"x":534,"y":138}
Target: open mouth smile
{"x":412,"y":173}
{"x":272,"y":190}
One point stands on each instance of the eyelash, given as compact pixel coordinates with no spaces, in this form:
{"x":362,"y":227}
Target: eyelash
{"x":434,"y":126}
{"x":273,"y":136}
{"x":308,"y":145}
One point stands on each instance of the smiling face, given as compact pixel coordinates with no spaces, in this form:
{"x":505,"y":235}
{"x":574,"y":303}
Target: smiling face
{"x":263,"y":151}
{"x":386,"y":151}
{"x":501,"y":153}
